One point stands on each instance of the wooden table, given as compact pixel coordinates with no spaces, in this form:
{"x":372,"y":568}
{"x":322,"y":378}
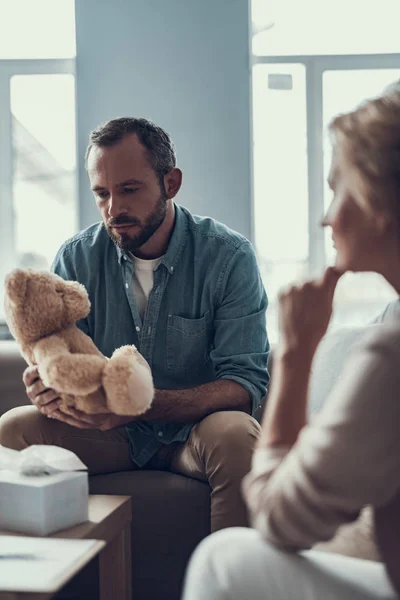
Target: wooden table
{"x":110,"y":521}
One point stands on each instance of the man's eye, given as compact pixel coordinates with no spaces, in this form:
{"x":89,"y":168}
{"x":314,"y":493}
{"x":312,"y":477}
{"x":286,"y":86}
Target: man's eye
{"x":102,"y":194}
{"x":130,"y":190}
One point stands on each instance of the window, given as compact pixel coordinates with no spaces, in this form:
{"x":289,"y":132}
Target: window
{"x":295,"y":95}
{"x":281,"y":207}
{"x":322,"y":27}
{"x":37,"y":29}
{"x":37,"y":133}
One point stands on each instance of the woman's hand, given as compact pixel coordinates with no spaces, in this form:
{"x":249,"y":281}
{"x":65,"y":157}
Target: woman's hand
{"x":304,"y":315}
{"x":305,"y":311}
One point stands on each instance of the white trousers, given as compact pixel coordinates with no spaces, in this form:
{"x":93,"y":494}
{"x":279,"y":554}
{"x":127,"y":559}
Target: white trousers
{"x":237,"y":564}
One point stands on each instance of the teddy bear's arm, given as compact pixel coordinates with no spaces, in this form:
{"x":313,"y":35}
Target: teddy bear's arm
{"x":78,"y":341}
{"x":49,"y":346}
{"x":65,"y":372}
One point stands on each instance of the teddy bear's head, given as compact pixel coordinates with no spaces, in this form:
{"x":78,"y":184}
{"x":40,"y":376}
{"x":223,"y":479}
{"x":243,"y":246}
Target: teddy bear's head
{"x":39,"y":303}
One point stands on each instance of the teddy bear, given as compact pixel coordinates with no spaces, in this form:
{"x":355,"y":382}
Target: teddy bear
{"x":41,"y":311}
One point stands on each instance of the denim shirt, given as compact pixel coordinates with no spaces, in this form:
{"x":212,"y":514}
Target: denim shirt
{"x":205,"y":318}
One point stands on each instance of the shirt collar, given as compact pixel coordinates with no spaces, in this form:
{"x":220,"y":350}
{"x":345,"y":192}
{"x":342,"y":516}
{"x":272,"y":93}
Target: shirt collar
{"x":176,"y":242}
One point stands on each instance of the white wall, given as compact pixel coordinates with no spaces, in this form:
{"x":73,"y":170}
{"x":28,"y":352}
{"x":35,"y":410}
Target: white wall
{"x":185,"y":65}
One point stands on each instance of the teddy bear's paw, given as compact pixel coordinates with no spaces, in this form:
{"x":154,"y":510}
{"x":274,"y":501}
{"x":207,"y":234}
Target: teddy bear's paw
{"x":129,"y":351}
{"x":132,"y":353}
{"x":128,"y":384}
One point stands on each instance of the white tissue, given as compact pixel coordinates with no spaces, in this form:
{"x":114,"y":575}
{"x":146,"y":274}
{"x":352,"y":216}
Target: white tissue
{"x":39,"y":460}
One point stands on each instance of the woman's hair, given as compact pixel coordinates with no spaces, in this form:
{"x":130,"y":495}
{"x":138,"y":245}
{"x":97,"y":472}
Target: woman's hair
{"x":369,"y":138}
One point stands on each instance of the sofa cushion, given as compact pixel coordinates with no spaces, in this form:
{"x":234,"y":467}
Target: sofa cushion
{"x":170,"y":516}
{"x":12,"y":366}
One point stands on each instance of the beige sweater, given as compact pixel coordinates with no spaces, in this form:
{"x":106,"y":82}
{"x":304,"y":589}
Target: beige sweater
{"x":348,"y":457}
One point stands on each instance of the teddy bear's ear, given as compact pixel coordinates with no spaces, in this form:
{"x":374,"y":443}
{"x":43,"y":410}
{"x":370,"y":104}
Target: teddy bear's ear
{"x":15,"y":284}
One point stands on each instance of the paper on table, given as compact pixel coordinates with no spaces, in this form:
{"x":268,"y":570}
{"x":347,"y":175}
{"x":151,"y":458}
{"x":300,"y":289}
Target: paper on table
{"x":46,"y":564}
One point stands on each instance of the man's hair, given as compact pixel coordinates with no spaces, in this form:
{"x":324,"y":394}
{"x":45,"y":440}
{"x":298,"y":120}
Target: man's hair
{"x":159,"y":146}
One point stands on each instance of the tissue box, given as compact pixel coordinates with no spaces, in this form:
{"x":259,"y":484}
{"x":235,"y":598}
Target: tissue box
{"x":41,"y":504}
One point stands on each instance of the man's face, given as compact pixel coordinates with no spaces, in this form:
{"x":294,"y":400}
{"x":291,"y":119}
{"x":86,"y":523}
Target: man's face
{"x":128,"y":193}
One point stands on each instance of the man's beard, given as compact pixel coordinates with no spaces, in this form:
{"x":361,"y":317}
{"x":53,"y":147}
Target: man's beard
{"x":146,"y":229}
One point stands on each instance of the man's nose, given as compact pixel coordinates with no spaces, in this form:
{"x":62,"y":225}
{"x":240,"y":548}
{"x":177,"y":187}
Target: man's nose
{"x":116,"y":206}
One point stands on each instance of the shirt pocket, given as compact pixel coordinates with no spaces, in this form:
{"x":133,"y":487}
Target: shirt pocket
{"x":188,"y":343}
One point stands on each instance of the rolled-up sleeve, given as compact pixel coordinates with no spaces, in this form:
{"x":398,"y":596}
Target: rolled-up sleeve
{"x":240,"y":349}
{"x":348,"y":457}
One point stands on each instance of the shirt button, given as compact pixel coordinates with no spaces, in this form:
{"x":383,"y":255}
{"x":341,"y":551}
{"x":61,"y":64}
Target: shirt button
{"x":127,"y":285}
{"x":137,"y":328}
{"x":160,"y":434}
{"x":172,"y":269}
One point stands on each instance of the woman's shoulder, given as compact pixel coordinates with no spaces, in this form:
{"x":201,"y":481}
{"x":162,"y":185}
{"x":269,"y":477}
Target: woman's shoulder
{"x":375,"y":357}
{"x":382,"y":337}
{"x":390,"y":313}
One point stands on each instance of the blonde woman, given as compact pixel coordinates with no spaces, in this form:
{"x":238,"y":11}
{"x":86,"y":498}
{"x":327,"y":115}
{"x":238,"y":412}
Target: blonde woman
{"x":308,"y":479}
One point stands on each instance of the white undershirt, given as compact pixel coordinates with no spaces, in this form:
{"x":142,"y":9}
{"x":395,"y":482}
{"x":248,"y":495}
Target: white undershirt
{"x":143,"y":280}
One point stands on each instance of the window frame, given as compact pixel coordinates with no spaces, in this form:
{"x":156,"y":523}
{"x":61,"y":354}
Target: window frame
{"x":315,"y":66}
{"x":8,"y":69}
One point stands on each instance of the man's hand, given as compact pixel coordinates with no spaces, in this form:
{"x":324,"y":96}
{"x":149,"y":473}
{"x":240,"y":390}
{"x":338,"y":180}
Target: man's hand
{"x":46,"y":400}
{"x":81,"y":420}
{"x":49,"y":404}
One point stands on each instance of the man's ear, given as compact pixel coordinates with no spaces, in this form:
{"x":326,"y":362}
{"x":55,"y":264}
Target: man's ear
{"x":16,"y":283}
{"x":173,"y":182}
